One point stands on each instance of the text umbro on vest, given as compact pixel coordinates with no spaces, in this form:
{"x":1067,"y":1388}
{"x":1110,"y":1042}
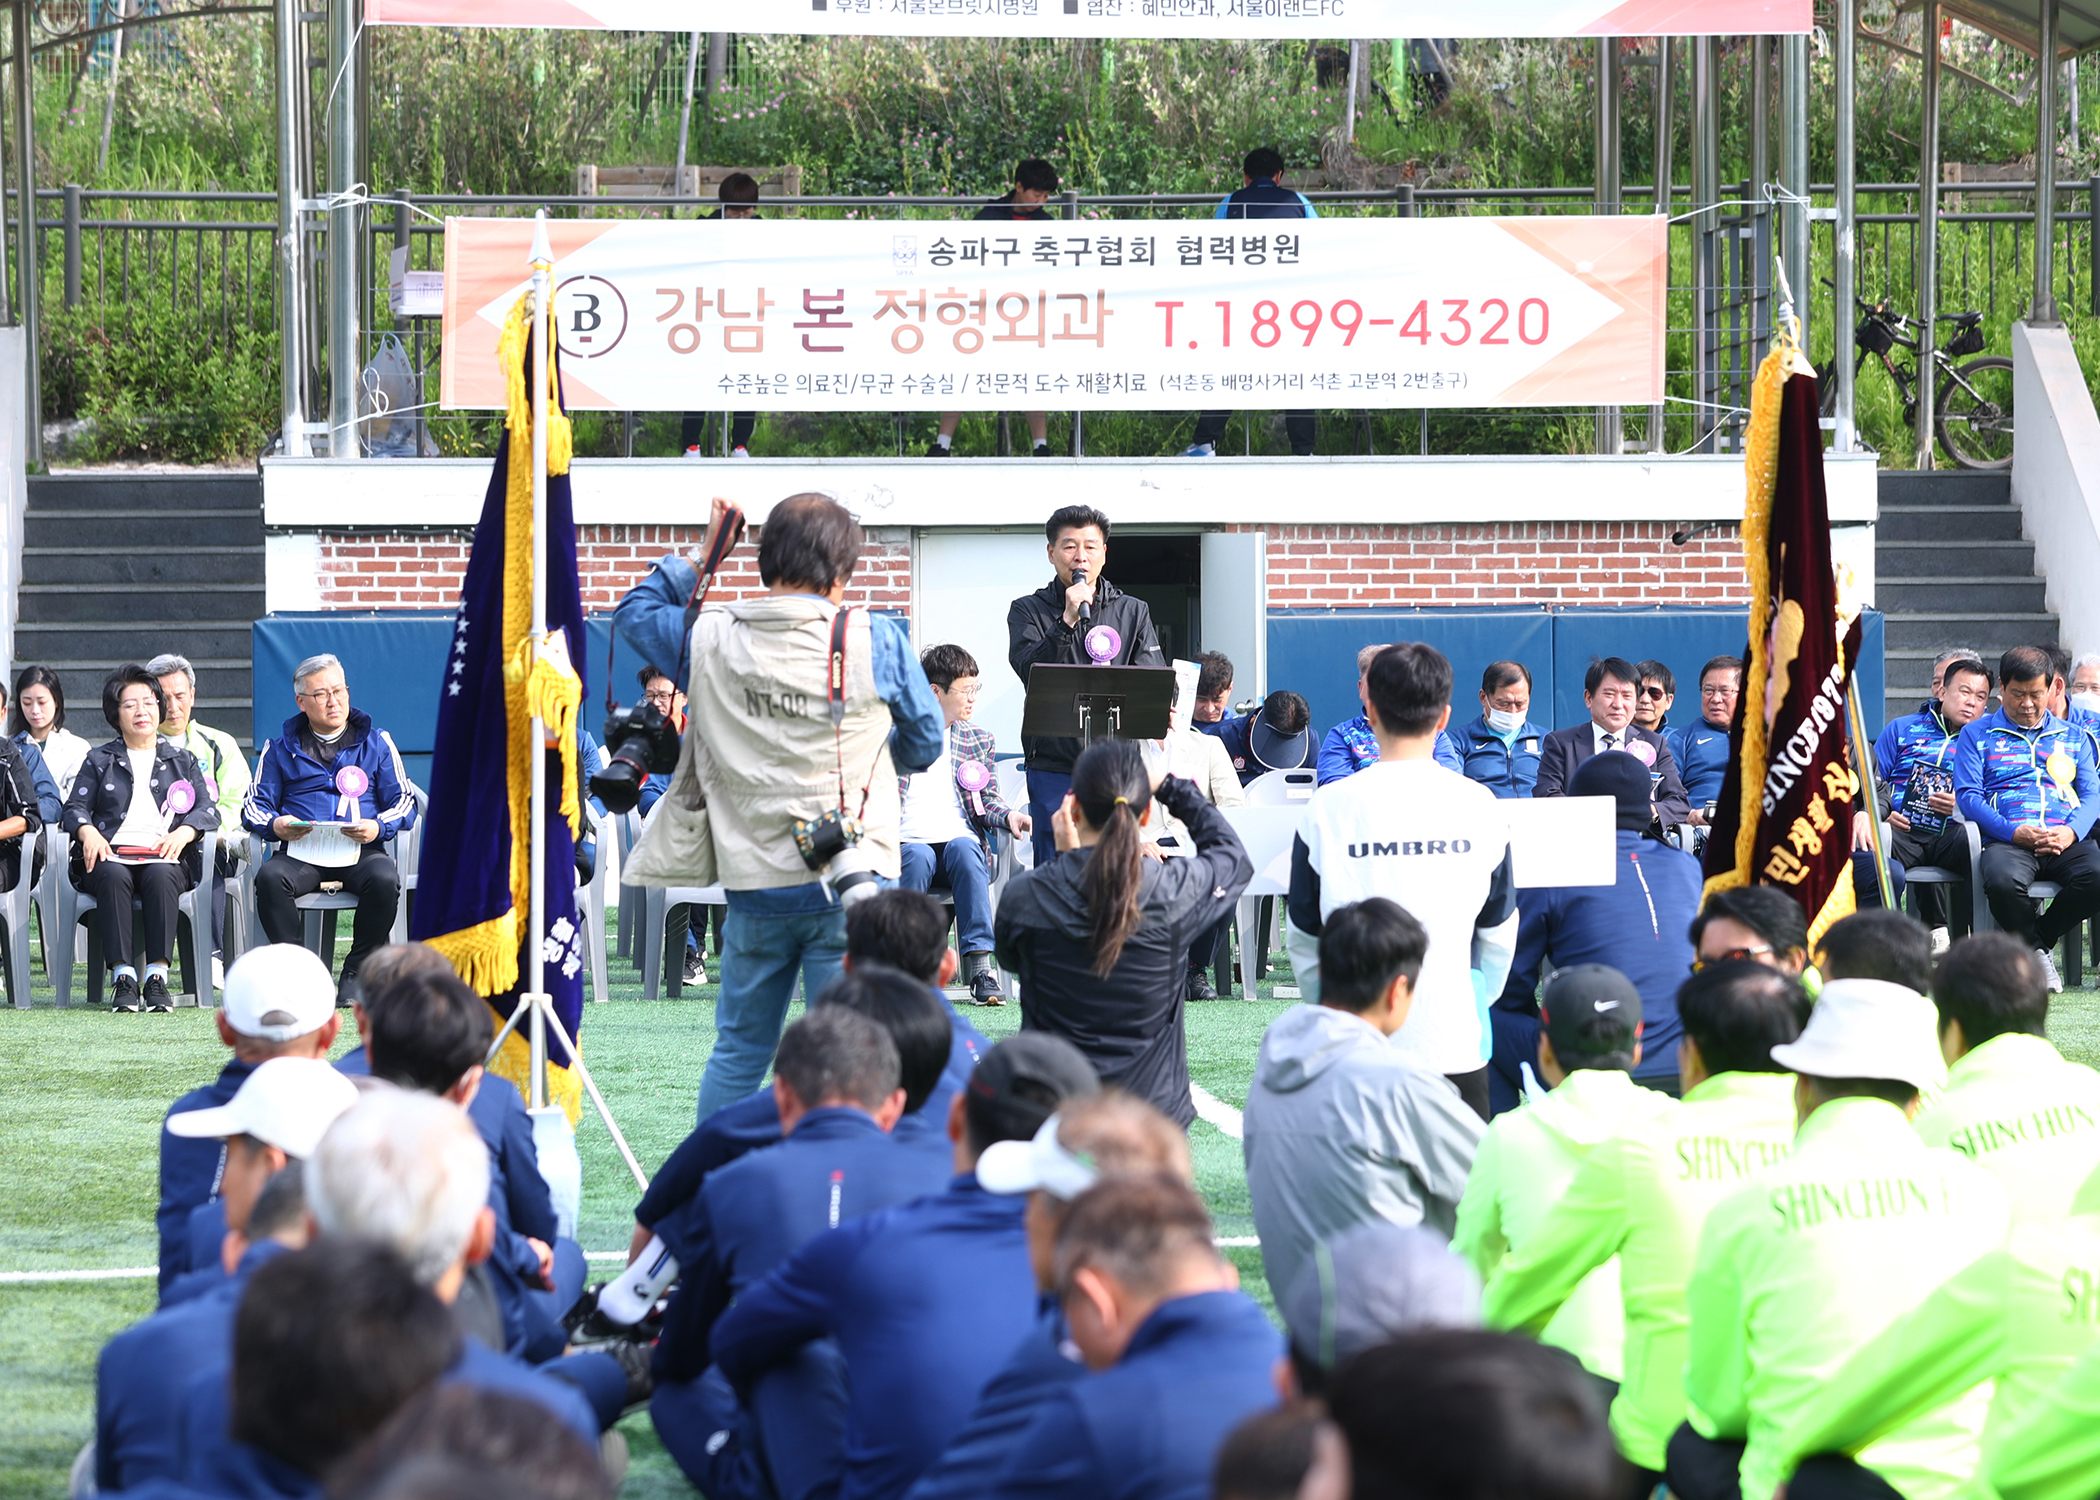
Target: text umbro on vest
{"x":1405,"y":847}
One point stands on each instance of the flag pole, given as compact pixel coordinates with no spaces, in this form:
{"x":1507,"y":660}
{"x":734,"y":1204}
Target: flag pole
{"x":535,"y":935}
{"x":1870,"y":794}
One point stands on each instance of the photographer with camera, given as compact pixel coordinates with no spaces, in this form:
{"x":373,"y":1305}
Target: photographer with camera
{"x":801,"y":714}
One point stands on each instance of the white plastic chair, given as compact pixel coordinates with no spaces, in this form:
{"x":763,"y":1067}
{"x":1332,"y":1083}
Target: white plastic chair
{"x":1282,"y":788}
{"x":50,"y":922}
{"x":1266,"y":828}
{"x":590,"y":911}
{"x":192,"y":937}
{"x":656,"y":903}
{"x":627,"y":831}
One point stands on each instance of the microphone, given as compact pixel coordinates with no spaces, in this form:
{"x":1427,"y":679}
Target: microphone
{"x":1086,"y":611}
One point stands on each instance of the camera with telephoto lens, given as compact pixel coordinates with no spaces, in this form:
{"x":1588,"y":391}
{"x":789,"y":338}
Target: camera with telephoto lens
{"x":831,"y":846}
{"x":640,"y":742}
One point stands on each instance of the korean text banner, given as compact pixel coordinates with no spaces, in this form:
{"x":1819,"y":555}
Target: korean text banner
{"x":1302,"y":19}
{"x":1144,"y":315}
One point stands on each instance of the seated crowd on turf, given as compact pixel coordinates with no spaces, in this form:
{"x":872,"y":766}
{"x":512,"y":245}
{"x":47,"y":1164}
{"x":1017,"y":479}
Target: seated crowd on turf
{"x":1700,"y":1200}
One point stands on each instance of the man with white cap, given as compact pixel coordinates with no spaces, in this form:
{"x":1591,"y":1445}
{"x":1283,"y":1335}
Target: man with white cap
{"x":279,"y":1001}
{"x":1105,"y":1134}
{"x":1802,"y":1266}
{"x":275,"y":1121}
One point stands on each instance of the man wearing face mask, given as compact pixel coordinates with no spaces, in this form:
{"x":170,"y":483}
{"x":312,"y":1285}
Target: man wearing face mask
{"x":1914,"y":765}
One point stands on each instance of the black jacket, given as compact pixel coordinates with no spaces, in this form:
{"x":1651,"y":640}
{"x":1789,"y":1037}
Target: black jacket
{"x":18,"y":797}
{"x":1564,"y":750}
{"x":1006,"y":211}
{"x":102,"y":795}
{"x":1036,"y":631}
{"x":1130,"y":1025}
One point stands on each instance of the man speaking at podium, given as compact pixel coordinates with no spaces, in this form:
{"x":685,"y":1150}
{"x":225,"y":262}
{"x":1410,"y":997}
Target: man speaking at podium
{"x":1059,"y":623}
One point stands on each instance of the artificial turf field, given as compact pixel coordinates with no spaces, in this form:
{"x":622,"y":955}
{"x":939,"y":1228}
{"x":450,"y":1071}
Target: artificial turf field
{"x":86,"y":1092}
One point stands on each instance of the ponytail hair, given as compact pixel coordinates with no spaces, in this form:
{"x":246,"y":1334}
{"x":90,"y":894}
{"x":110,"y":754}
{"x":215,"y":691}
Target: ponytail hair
{"x":1111,"y":786}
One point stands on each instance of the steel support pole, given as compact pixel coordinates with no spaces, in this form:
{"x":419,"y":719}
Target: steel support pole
{"x":1928,"y":246}
{"x":1793,"y":173}
{"x":30,"y":264}
{"x":2043,"y":309}
{"x":1706,"y":191}
{"x":345,"y":293}
{"x":291,"y":239}
{"x":1761,"y":229}
{"x":1349,"y":109}
{"x":535,"y":934}
{"x":1844,"y":245}
{"x":1665,"y":175}
{"x":1611,"y":429}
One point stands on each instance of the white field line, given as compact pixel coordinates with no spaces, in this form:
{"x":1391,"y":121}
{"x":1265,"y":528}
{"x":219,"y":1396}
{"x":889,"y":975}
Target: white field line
{"x":1216,"y":1111}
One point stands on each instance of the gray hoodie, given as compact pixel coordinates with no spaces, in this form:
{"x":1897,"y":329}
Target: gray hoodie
{"x":1342,"y":1129}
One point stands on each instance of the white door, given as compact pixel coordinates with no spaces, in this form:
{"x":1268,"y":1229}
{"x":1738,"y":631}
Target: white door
{"x":964,"y":582}
{"x":1236,"y":606}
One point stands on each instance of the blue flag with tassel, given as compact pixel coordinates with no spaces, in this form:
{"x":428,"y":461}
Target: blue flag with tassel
{"x":473,"y":894}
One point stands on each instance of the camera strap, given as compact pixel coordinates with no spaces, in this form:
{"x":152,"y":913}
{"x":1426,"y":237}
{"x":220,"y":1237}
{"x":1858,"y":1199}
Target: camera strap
{"x":835,"y":691}
{"x":731,"y":533}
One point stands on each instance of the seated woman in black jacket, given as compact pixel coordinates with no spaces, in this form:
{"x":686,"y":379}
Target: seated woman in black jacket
{"x":1099,"y":937}
{"x":137,"y":809}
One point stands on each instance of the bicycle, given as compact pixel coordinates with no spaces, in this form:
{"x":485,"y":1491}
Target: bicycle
{"x":1973,"y":415}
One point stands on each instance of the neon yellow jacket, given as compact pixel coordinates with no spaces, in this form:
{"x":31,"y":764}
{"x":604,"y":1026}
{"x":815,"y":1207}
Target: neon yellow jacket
{"x":1800,"y":1268}
{"x":223,"y":762}
{"x":2017,"y":1109}
{"x":1642,"y":1197}
{"x":2018,"y":1316}
{"x":2051,"y":1451}
{"x":1522,"y":1170}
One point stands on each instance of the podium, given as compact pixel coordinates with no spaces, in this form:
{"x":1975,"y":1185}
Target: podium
{"x":1097,"y":703}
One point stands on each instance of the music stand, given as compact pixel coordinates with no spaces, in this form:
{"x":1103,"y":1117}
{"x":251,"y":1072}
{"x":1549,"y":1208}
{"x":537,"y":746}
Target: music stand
{"x":1097,"y":703}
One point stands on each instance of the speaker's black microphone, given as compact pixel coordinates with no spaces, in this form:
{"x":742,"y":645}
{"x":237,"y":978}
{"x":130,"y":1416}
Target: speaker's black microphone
{"x":1086,"y":611}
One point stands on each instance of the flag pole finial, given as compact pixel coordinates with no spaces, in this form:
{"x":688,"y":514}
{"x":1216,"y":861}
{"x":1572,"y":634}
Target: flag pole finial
{"x":542,"y":247}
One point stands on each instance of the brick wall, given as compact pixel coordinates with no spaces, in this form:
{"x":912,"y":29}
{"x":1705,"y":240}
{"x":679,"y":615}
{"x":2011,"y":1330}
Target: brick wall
{"x":1503,"y":562}
{"x":1310,"y":567}
{"x":424,"y":570}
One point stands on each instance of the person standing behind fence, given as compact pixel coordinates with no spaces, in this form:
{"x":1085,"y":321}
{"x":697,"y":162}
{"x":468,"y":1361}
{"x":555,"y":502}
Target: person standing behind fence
{"x":1262,"y":197}
{"x":1034,"y":181}
{"x":739,"y":196}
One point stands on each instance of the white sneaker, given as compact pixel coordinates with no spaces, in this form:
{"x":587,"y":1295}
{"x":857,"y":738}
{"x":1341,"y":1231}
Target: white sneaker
{"x":218,"y":972}
{"x":739,"y":451}
{"x":1200,"y":450}
{"x":695,"y":452}
{"x":2056,"y":981}
{"x":1940,"y":941}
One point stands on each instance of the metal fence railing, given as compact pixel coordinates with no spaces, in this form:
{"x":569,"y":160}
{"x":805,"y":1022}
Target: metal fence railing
{"x":205,"y":265}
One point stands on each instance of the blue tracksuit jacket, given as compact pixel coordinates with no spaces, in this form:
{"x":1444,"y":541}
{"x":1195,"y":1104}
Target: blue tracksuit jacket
{"x":1701,"y":752}
{"x":751,"y":1123}
{"x":1505,"y":767}
{"x":189,"y":1170}
{"x":753,"y":1213}
{"x":289,"y":783}
{"x":2002,"y":777}
{"x":1638,"y":926}
{"x":919,"y":1343}
{"x":140,"y":1378}
{"x":1904,"y":744}
{"x":1348,"y":748}
{"x":1150,"y":1428}
{"x":1044,"y":1362}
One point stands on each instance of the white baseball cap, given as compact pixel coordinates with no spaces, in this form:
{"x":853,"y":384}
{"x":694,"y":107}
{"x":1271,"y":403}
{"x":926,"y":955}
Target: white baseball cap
{"x":278,"y":992}
{"x":1869,"y":1028}
{"x":1009,"y":1167}
{"x":288,"y":1102}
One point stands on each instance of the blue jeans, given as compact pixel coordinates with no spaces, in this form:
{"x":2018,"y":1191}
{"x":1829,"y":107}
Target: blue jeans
{"x":762,"y":951}
{"x":1046,"y":794}
{"x":960,"y":865}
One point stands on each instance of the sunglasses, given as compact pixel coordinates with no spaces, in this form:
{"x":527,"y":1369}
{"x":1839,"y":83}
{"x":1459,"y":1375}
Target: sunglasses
{"x":1729,"y":956}
{"x":1653,"y":692}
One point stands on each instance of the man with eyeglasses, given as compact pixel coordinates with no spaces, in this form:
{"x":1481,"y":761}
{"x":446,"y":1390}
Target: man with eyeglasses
{"x":1701,"y":748}
{"x":2028,"y":780}
{"x":1045,"y":626}
{"x":330,"y":770}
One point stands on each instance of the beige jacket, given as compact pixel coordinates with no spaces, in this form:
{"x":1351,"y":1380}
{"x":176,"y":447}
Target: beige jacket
{"x":762,"y":750}
{"x":1200,"y":758}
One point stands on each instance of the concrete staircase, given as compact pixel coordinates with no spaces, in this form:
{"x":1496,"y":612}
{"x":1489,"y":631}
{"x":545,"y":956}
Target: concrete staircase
{"x":121,"y":567}
{"x":1951,"y":569}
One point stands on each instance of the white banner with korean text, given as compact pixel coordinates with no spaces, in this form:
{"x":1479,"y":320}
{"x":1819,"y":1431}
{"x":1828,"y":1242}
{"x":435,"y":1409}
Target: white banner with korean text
{"x":1146,"y":315}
